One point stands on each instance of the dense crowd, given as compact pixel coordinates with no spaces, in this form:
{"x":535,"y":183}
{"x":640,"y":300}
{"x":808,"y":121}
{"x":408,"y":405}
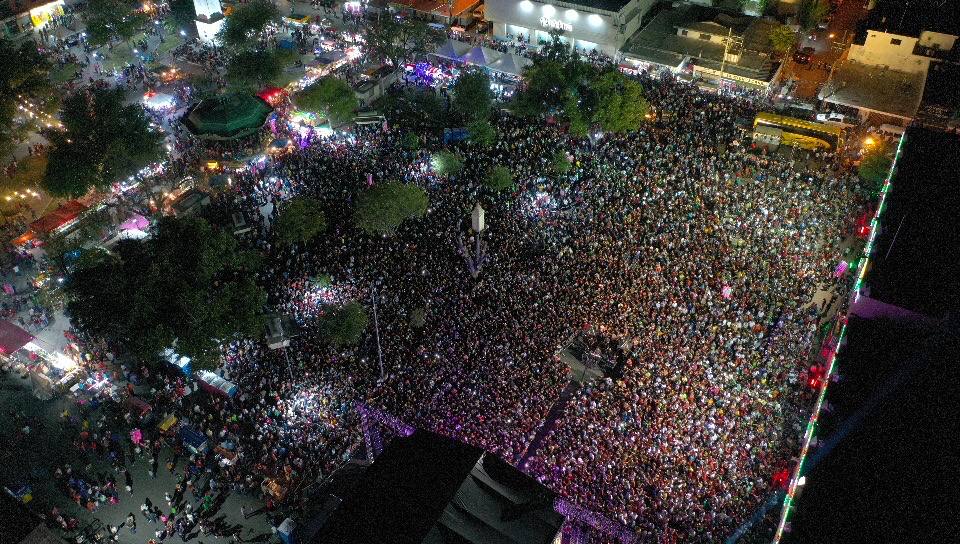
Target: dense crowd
{"x":695,"y":254}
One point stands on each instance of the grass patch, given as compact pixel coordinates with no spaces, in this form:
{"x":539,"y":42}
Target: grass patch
{"x":59,"y":76}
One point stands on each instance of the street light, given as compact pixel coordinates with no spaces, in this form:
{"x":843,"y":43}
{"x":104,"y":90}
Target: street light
{"x":868,"y":141}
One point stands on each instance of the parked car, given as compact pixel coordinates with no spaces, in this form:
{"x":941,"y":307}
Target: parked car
{"x":803,"y":56}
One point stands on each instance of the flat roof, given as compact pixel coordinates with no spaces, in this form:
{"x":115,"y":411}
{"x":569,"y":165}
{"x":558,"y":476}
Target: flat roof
{"x":875,"y":88}
{"x":658,"y":42}
{"x":437,"y":6}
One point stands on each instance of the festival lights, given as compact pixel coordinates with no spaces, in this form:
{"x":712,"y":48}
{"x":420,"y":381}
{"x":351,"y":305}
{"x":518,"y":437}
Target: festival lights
{"x":799,"y":479}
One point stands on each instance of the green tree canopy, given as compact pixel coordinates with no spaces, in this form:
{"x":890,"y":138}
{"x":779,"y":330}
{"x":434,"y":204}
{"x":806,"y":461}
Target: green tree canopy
{"x":23,"y":72}
{"x":393,"y":40}
{"x":384,"y":206}
{"x":301,"y":219}
{"x":190,"y":287}
{"x":253,"y":68}
{"x":182,"y":14}
{"x":620,"y":104}
{"x":875,"y":164}
{"x":104,"y":142}
{"x":247,"y":21}
{"x":345,"y":325}
{"x":811,"y":12}
{"x":499,"y":178}
{"x":410,"y":141}
{"x":331,"y":96}
{"x":782,"y":38}
{"x":109,"y":20}
{"x":560,"y":164}
{"x":446,"y":163}
{"x":482,"y":133}
{"x":472,"y":96}
{"x":559,"y":87}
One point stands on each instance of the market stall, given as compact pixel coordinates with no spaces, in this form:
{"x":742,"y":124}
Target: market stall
{"x":216,"y":385}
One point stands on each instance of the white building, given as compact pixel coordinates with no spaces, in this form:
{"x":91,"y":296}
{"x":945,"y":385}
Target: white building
{"x":886,"y":75}
{"x":586,"y":24}
{"x":209,"y":19}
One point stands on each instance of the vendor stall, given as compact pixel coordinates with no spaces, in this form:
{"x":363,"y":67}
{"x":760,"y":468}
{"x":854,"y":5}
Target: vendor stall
{"x":214,"y":384}
{"x":193,"y":439}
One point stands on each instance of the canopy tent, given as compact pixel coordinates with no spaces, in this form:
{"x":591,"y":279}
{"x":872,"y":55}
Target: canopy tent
{"x":12,"y":337}
{"x":135,"y":222}
{"x":227,"y":117}
{"x":510,"y":64}
{"x":452,"y":49}
{"x":67,"y":213}
{"x":481,"y":56}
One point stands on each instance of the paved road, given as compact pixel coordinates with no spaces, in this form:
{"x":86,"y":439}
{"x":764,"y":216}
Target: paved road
{"x":828,"y":45}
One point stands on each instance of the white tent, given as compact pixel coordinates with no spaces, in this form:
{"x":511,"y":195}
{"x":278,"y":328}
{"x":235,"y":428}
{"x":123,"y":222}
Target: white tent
{"x":481,"y":56}
{"x":510,"y":64}
{"x":452,"y":49}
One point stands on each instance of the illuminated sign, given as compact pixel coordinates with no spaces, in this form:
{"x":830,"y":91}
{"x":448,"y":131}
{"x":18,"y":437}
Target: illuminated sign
{"x":555,"y":24}
{"x":41,"y":15}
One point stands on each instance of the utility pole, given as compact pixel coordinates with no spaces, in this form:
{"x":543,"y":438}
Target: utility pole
{"x":376,"y":327}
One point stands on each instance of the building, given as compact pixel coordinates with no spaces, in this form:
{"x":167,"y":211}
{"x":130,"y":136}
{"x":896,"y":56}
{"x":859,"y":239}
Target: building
{"x":885,"y":71}
{"x":429,"y":489}
{"x":19,"y":18}
{"x":209,"y":19}
{"x":603,"y":25}
{"x":449,"y":12}
{"x":718,"y":46}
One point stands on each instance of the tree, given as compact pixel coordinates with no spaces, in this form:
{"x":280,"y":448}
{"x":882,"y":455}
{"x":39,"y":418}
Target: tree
{"x":446,"y":163}
{"x":393,"y":40}
{"x":301,"y":219}
{"x":251,"y":69}
{"x":247,"y":22}
{"x":382,"y":208}
{"x":105,"y":141}
{"x":418,"y":317}
{"x":544,"y":87}
{"x":410,"y":141}
{"x":482,"y":133}
{"x":782,"y":39}
{"x":499,"y":178}
{"x":620,"y":105}
{"x":23,"y":72}
{"x":875,"y":164}
{"x":109,"y":20}
{"x":560,"y":164}
{"x":345,"y":325}
{"x":182,"y":14}
{"x":331,"y":96}
{"x":189,"y":287}
{"x":472,"y":96}
{"x":811,"y":12}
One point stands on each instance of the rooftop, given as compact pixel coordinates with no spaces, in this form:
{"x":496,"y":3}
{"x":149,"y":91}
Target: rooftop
{"x":430,"y":489}
{"x":658,"y":42}
{"x":874,"y":88}
{"x":910,"y":19}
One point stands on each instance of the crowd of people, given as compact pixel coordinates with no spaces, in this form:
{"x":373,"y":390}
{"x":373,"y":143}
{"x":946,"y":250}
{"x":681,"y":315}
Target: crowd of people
{"x":696,"y":254}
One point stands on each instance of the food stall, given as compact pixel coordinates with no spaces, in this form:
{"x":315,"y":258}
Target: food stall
{"x":193,"y":439}
{"x":214,"y":384}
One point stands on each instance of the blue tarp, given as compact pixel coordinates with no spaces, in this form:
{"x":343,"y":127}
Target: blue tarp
{"x":193,"y":439}
{"x":451,"y":135}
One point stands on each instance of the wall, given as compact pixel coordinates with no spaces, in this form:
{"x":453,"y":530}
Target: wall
{"x":935,"y":39}
{"x":880,"y":49}
{"x":608,"y":30}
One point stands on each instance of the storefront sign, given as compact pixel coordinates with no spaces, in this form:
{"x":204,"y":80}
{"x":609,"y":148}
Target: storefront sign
{"x":728,"y":75}
{"x":555,"y":24}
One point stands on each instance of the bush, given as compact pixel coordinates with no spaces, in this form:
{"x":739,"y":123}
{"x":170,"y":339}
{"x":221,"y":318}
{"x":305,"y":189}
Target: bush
{"x":446,"y":163}
{"x":560,"y":163}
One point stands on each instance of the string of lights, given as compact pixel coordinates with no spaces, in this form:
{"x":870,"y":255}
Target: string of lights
{"x":34,"y":112}
{"x":798,"y":478}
